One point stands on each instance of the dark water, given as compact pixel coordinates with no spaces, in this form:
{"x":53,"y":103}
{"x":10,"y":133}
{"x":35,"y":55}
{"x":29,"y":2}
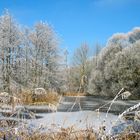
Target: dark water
{"x":91,"y":103}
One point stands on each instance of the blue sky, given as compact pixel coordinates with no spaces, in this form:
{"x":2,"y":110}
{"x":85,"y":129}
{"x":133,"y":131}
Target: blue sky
{"x":78,"y":21}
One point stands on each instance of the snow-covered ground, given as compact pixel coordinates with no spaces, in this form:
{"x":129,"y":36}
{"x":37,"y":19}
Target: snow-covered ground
{"x":81,"y":119}
{"x":78,"y":119}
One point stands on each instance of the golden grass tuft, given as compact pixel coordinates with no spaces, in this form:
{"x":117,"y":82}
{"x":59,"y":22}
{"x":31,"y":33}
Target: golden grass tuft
{"x":75,"y":94}
{"x":27,"y":98}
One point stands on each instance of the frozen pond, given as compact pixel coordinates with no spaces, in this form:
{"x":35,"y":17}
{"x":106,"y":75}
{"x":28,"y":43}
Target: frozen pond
{"x":81,"y":119}
{"x":78,"y":119}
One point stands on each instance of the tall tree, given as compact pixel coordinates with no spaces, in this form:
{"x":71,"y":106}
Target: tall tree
{"x":9,"y":42}
{"x":45,"y":55}
{"x":81,"y":67}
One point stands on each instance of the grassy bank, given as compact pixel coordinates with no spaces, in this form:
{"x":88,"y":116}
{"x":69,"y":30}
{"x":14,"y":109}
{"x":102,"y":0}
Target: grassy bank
{"x":69,"y":133}
{"x":27,"y":98}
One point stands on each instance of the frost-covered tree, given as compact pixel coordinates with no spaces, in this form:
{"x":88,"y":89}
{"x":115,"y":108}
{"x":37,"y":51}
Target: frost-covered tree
{"x":29,"y":58}
{"x":117,"y":66}
{"x":45,"y":56}
{"x":80,"y":71}
{"x":9,"y":44}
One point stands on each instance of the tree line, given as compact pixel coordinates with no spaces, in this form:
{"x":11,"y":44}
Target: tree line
{"x":117,"y":66}
{"x":31,"y":58}
{"x":112,"y":67}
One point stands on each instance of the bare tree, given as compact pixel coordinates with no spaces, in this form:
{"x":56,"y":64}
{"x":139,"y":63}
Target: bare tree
{"x":81,"y":64}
